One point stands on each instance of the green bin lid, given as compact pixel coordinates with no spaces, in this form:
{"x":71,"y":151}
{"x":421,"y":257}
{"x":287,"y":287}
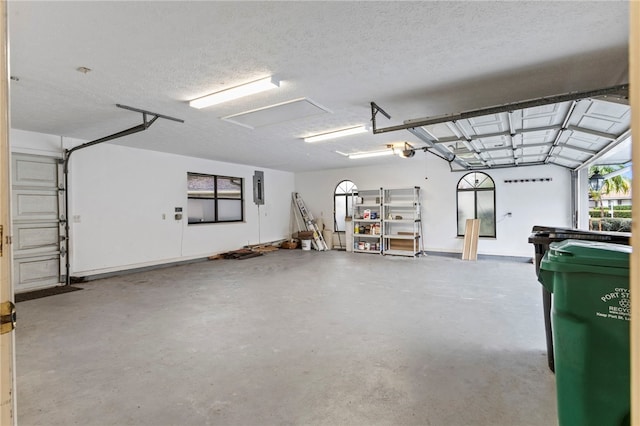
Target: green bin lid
{"x":592,"y":253}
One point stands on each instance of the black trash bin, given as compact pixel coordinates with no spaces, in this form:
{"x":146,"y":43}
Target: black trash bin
{"x":541,"y":237}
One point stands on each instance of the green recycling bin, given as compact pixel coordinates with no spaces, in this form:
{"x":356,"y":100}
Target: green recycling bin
{"x":590,"y":317}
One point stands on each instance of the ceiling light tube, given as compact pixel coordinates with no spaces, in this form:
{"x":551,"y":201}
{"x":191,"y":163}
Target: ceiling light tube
{"x":235,"y":92}
{"x":371,"y":154}
{"x":337,"y":134}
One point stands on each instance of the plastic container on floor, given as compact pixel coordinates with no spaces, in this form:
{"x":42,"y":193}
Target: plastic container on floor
{"x":306,"y":245}
{"x":541,"y":237}
{"x":589,"y":282}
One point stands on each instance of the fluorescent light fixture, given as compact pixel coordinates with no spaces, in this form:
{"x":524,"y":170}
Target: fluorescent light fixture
{"x":235,"y":92}
{"x":388,"y":151}
{"x":336,"y":134}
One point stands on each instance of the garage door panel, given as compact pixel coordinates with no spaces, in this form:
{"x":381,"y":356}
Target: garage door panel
{"x":36,"y":272}
{"x":543,"y":136}
{"x":486,"y":124}
{"x":544,"y":116}
{"x":35,"y":205}
{"x":598,"y":124}
{"x":35,"y":171}
{"x":584,"y":141}
{"x":609,"y":111}
{"x":441,"y":131}
{"x":29,"y":239}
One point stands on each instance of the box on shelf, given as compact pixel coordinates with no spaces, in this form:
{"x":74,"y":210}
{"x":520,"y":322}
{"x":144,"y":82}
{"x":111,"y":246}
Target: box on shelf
{"x":397,"y":244}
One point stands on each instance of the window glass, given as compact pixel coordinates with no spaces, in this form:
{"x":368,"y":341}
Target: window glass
{"x":466,"y":209}
{"x":486,"y":214}
{"x":201,"y":186}
{"x":201,"y":210}
{"x":229,"y":187}
{"x":229,"y":210}
{"x":341,"y":212}
{"x":343,"y":203}
{"x":212,"y":198}
{"x":476,"y":200}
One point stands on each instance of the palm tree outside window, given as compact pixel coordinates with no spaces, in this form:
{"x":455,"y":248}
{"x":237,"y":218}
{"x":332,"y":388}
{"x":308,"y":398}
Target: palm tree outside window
{"x":618,"y":184}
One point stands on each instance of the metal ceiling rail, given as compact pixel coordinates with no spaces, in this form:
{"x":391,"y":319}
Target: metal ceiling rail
{"x":576,"y":148}
{"x":502,"y":166}
{"x":565,"y":122}
{"x":135,"y":129}
{"x":67,"y":156}
{"x":592,"y":132}
{"x":620,"y":90}
{"x":442,"y":151}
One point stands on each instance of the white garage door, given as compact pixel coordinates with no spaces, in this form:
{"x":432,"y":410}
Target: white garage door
{"x":37,"y":225}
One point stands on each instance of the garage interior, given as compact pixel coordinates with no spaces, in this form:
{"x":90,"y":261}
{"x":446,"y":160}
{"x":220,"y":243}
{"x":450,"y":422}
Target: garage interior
{"x":161,"y":334}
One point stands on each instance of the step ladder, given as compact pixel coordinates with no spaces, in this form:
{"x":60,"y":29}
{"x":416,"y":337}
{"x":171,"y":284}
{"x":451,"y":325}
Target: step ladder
{"x":309,"y":222}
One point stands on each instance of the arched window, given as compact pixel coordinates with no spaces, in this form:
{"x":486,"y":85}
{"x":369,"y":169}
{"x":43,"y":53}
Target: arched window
{"x":343,"y":203}
{"x":477,"y":200}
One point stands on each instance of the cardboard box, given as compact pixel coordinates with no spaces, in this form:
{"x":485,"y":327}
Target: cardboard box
{"x":408,"y":245}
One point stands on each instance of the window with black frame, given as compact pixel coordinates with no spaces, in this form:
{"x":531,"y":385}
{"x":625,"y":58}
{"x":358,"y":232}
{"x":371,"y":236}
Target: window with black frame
{"x":476,"y":199}
{"x":343,"y":203}
{"x":214,"y":199}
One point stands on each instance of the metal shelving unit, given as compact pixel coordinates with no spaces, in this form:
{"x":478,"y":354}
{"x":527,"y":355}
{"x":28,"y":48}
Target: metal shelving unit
{"x":401,"y":209}
{"x":367,"y":221}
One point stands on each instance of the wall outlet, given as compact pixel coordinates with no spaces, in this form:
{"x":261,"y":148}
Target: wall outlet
{"x":164,"y":216}
{"x":76,"y":218}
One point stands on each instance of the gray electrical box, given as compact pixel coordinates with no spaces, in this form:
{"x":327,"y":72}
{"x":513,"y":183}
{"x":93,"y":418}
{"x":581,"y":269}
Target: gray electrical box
{"x":258,"y":187}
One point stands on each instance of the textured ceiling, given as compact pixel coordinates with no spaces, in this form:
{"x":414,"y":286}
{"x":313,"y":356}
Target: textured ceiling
{"x":414,"y":59}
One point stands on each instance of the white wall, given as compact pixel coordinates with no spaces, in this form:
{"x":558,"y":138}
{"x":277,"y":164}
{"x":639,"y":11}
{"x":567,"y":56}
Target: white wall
{"x":531,"y":203}
{"x":120,"y":194}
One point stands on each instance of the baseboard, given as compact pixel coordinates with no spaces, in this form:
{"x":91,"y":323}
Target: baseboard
{"x":93,"y":277}
{"x":519,"y":259}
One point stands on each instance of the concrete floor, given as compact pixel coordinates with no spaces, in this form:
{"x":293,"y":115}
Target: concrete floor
{"x":293,"y":337}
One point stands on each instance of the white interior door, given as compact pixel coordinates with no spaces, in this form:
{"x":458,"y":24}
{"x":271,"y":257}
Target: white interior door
{"x":37,"y":242}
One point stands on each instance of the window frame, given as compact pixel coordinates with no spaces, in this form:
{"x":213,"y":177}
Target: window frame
{"x":217,"y":198}
{"x":475,"y":191}
{"x":346,"y":196}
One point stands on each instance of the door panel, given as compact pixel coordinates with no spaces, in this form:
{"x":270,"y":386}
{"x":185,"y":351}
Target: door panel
{"x":37,"y":222}
{"x":35,"y":238}
{"x":35,"y":205}
{"x":36,"y":272}
{"x":34,"y":171}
